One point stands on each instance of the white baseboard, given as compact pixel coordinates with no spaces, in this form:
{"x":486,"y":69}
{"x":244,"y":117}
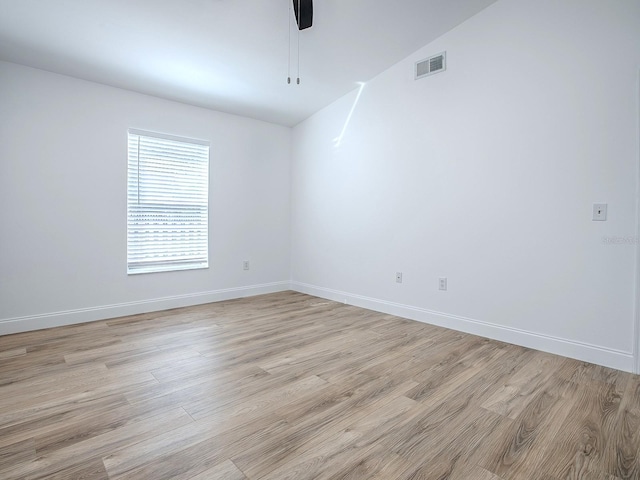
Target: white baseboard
{"x":607,"y":357}
{"x":82,"y":315}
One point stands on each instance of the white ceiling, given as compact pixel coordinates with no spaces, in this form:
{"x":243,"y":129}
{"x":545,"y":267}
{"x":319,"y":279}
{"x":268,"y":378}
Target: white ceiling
{"x":228,"y":55}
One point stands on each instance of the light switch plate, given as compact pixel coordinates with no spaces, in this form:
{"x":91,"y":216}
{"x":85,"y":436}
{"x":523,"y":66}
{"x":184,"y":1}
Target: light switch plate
{"x":599,"y":212}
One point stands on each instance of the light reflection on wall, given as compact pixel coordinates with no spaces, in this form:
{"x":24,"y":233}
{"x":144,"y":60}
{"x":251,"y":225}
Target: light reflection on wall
{"x":338,"y":140}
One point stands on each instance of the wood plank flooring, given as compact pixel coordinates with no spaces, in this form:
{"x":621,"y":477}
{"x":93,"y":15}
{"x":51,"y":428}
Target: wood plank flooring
{"x":288,"y":386}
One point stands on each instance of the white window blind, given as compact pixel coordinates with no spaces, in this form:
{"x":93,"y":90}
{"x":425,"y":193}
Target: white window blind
{"x":167,"y":203}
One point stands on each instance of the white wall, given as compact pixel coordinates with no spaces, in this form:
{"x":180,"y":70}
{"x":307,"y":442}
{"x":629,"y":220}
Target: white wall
{"x":63,"y":166}
{"x":486,"y":174}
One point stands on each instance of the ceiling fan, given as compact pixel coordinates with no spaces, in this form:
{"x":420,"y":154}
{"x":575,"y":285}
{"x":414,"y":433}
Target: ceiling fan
{"x":303,"y":10}
{"x":304,"y":13}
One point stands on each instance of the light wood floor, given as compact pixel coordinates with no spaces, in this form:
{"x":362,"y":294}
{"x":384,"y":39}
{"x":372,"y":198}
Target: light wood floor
{"x":289,"y":386}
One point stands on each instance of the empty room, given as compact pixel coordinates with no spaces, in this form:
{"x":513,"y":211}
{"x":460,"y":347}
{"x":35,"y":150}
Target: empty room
{"x":320,"y":239}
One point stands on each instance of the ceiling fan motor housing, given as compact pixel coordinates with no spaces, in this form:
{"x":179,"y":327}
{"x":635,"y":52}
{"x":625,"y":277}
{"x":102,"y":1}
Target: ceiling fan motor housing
{"x":304,"y":13}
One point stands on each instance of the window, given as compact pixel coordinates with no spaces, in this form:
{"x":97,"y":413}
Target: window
{"x":167,"y":203}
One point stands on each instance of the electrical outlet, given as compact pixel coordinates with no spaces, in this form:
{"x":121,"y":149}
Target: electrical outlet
{"x":245,"y":265}
{"x":398,"y":277}
{"x":443,"y":283}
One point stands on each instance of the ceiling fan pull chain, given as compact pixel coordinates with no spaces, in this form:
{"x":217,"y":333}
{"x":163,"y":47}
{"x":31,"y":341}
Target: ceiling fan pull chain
{"x":289,"y":27}
{"x":299,"y":20}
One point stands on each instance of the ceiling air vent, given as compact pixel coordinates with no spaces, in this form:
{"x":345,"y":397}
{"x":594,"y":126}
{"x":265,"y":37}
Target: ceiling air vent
{"x":431,"y":65}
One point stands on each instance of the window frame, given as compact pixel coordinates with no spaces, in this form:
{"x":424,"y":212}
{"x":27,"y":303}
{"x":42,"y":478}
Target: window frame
{"x":169,"y":266}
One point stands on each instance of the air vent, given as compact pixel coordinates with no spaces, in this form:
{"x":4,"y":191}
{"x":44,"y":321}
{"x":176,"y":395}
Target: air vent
{"x":431,"y":65}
